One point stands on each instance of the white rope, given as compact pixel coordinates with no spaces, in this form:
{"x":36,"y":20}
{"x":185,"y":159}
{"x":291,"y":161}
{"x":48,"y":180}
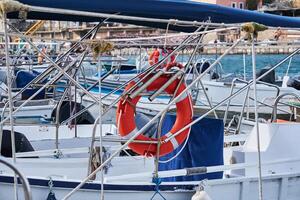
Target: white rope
{"x":260,"y":186}
{"x":166,"y":36}
{"x":187,"y":138}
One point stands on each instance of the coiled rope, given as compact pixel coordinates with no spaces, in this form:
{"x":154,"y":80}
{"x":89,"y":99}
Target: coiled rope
{"x":7,"y":6}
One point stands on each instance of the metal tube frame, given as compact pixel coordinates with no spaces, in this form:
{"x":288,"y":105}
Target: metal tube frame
{"x":146,"y":73}
{"x":246,"y":97}
{"x":51,"y":68}
{"x":58,"y":107}
{"x":234,"y":94}
{"x":73,"y":81}
{"x":148,"y":124}
{"x":274,"y":118}
{"x":43,"y":87}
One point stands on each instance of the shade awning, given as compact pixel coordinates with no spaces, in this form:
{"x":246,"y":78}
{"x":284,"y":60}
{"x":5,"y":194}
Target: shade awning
{"x":187,"y":10}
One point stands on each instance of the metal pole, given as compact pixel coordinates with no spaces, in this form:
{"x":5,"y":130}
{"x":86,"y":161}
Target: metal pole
{"x":100,"y":127}
{"x":260,"y":189}
{"x":228,"y":103}
{"x":288,"y":69}
{"x":244,"y":62}
{"x":274,"y":117}
{"x":9,"y":86}
{"x":1,"y":125}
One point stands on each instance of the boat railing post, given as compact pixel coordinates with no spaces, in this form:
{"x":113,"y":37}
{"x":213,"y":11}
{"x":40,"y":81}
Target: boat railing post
{"x":10,"y":101}
{"x":248,"y":108}
{"x":288,"y":68}
{"x":229,"y":101}
{"x":242,"y":111}
{"x":247,"y":97}
{"x":1,"y":125}
{"x":274,"y":117}
{"x":58,"y":108}
{"x":24,"y":180}
{"x":243,"y":106}
{"x":159,"y":130}
{"x":244,"y":64}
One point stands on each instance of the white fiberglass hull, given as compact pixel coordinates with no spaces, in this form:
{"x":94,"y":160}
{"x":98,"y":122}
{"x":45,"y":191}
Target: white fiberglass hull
{"x":282,"y":187}
{"x":218,"y":91}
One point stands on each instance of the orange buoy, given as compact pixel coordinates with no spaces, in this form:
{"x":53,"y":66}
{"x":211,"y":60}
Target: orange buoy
{"x":281,"y":121}
{"x":126,"y":118}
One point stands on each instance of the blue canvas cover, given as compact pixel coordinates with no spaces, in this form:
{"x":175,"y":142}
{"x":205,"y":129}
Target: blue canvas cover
{"x":204,"y":148}
{"x":188,"y":10}
{"x":23,"y":78}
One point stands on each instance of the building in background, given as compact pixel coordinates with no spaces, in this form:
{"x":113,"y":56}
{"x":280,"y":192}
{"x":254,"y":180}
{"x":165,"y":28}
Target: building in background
{"x":240,"y":4}
{"x":283,"y":7}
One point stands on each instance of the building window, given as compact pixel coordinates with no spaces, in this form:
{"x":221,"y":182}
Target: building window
{"x":233,"y":4}
{"x":241,"y":5}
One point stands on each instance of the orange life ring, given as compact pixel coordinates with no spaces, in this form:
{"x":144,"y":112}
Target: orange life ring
{"x":158,"y":55}
{"x":126,"y":118}
{"x":173,"y":64}
{"x":154,"y":57}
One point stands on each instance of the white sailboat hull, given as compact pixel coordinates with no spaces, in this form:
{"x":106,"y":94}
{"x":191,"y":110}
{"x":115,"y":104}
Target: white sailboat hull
{"x":281,"y":187}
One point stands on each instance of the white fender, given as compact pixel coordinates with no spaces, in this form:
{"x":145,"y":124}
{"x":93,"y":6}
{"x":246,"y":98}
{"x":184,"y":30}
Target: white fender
{"x":201,"y":195}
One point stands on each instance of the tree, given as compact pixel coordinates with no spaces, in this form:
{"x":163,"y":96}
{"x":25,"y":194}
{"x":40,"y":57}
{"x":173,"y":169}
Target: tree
{"x":266,"y":2}
{"x":252,"y":4}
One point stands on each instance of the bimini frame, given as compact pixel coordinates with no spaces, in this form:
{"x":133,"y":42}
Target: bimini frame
{"x":64,"y":72}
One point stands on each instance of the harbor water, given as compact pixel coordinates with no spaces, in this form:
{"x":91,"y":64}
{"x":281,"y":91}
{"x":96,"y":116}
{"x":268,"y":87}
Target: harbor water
{"x":235,"y":63}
